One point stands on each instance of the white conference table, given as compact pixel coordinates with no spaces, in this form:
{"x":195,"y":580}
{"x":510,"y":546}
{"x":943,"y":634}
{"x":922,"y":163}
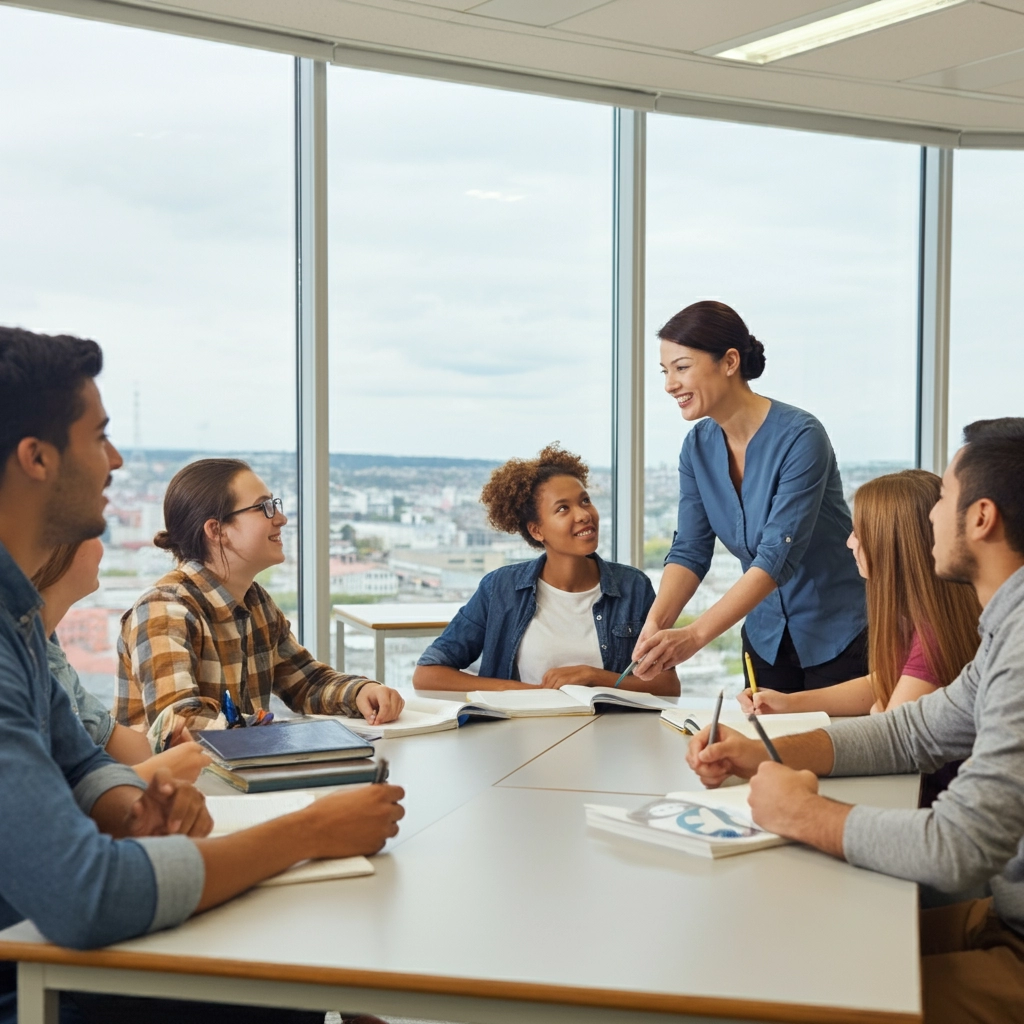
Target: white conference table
{"x":384,"y":620}
{"x":496,"y":904}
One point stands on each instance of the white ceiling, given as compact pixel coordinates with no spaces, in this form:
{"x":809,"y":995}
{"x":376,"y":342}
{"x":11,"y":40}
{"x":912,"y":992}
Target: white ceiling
{"x":960,"y":69}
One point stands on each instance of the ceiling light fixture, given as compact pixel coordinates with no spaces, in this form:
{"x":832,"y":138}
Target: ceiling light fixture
{"x":831,"y":30}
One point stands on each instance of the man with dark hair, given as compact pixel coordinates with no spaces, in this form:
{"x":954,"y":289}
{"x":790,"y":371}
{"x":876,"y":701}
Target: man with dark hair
{"x":973,"y":951}
{"x":89,"y":853}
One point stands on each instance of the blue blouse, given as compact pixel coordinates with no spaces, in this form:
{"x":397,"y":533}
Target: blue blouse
{"x":790,"y":520}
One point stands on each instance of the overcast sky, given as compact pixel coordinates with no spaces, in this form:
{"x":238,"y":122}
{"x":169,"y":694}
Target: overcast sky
{"x":146,"y":201}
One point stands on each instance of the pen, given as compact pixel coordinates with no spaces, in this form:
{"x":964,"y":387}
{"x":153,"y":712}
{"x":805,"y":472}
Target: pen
{"x":769,"y":746}
{"x":381,"y":774}
{"x":751,"y":679}
{"x":231,"y":713}
{"x":713,"y":734}
{"x":629,"y":671}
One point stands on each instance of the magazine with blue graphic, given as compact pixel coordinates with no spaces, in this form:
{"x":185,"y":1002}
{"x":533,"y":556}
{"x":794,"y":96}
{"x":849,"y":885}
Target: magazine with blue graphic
{"x":709,"y":823}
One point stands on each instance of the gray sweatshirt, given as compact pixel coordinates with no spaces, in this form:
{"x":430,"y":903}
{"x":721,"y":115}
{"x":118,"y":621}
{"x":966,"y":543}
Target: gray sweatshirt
{"x":974,"y":832}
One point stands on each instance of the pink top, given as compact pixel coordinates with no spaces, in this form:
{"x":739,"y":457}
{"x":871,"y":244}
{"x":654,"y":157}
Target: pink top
{"x":916,"y":665}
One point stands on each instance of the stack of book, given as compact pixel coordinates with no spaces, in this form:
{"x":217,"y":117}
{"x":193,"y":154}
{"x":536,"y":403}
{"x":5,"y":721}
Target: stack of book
{"x":289,"y":755}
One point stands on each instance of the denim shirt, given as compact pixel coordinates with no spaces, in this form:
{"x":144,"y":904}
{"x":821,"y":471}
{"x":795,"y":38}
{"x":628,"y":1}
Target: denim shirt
{"x":79,"y":888}
{"x":790,"y":520}
{"x":90,"y":710}
{"x":491,"y":624}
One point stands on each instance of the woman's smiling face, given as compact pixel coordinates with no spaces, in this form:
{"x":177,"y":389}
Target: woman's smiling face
{"x":567,"y":521}
{"x":695,"y":380}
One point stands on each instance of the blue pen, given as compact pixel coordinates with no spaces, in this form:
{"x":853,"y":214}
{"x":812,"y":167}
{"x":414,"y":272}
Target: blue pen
{"x":231,"y":715}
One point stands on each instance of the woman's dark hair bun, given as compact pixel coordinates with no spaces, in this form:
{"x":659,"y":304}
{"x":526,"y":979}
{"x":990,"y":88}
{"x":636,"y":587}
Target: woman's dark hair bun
{"x":714,"y":327}
{"x":163,"y":540}
{"x":753,"y":360}
{"x":196,"y":493}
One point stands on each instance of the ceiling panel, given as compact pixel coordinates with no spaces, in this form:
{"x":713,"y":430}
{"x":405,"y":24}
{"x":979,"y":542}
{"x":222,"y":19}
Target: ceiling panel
{"x":687,"y":24}
{"x":384,"y":34}
{"x":533,"y":12}
{"x":1010,"y":88}
{"x":979,"y":76}
{"x":946,"y":39}
{"x":447,"y":5}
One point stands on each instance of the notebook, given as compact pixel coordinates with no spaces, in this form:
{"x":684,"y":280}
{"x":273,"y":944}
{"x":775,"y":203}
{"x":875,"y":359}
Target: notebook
{"x":422,"y":715}
{"x":285,"y":743}
{"x":296,"y":776}
{"x":235,"y":813}
{"x":709,"y":823}
{"x":569,"y":700}
{"x":774,"y":725}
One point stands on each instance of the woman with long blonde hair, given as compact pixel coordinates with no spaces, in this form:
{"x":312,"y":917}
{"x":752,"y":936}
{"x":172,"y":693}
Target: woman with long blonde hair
{"x":922,"y":630}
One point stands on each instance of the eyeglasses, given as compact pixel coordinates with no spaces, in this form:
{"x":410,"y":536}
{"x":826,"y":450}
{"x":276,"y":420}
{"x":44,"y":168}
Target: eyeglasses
{"x":270,"y":508}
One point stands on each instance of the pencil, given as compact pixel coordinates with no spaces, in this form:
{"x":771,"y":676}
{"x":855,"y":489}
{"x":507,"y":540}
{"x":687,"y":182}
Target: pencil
{"x":750,"y":672}
{"x":769,"y":746}
{"x":713,"y":734}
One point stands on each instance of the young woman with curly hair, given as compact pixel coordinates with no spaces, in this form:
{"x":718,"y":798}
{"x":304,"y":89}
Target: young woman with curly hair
{"x":568,"y":616}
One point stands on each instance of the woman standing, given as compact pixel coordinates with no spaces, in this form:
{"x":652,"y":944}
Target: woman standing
{"x":761,"y":477}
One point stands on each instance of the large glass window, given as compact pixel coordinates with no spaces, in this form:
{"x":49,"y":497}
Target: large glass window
{"x":146,"y":202}
{"x":986,"y":351}
{"x":470,"y":267}
{"x":813,"y":240}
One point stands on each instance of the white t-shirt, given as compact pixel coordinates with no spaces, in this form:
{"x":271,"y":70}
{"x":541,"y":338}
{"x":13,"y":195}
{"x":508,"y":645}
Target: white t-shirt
{"x":561,"y":632}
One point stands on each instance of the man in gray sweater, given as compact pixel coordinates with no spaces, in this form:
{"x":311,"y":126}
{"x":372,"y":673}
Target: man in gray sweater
{"x":973,"y":951}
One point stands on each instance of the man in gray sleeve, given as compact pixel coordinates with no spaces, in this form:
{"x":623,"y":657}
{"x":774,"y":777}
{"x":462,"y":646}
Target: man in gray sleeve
{"x":88,"y":852}
{"x":972,"y":952}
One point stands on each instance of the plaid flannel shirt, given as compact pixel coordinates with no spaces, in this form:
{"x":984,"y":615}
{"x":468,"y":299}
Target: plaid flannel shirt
{"x":187,"y":641}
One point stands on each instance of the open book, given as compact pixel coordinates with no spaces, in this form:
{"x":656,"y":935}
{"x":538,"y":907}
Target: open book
{"x":235,"y":813}
{"x":423,"y":714}
{"x":708,"y":823}
{"x":775,"y":725}
{"x":569,"y":700}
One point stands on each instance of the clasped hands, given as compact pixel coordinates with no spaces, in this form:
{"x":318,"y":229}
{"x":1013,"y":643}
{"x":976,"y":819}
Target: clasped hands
{"x":168,"y":806}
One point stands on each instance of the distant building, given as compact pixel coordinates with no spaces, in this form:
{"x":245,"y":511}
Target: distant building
{"x":370,"y":578}
{"x":85,"y":628}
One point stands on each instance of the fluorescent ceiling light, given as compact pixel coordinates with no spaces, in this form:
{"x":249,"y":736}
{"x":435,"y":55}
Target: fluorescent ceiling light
{"x":831,"y":30}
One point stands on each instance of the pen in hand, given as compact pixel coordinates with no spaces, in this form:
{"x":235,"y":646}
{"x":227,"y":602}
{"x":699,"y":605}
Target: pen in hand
{"x":751,"y":679}
{"x":769,"y":746}
{"x":629,"y":671}
{"x":713,"y":732}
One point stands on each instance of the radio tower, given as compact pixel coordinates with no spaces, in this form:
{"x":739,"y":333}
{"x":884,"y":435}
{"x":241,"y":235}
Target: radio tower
{"x":137,"y":425}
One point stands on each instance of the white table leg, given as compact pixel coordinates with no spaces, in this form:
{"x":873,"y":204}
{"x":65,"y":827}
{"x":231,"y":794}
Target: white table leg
{"x":378,"y":651}
{"x":339,"y":644}
{"x":36,"y":1004}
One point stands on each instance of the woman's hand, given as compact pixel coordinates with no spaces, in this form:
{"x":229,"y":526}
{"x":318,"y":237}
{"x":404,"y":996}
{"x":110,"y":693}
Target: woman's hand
{"x":766,"y":702}
{"x":568,"y":675}
{"x":650,"y":628}
{"x":664,"y":649}
{"x":378,"y":703}
{"x":184,"y":761}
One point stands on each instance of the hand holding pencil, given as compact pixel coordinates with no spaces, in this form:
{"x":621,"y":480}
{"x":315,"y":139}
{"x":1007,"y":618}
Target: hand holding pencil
{"x":732,"y":754}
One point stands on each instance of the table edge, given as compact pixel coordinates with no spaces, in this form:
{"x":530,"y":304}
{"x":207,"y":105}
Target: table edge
{"x":619,"y":999}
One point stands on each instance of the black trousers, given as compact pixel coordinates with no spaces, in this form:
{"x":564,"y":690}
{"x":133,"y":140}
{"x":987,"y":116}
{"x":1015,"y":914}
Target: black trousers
{"x":90,"y":1008}
{"x":787,"y":675}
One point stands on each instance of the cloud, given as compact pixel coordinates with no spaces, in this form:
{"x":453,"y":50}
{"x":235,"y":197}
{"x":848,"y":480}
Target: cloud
{"x":501,"y":197}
